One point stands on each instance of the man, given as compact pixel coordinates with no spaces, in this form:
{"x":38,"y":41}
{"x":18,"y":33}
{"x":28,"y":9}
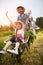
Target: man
{"x":24,"y":17}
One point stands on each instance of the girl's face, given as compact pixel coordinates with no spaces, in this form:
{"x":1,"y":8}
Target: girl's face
{"x":19,"y":26}
{"x":21,"y":11}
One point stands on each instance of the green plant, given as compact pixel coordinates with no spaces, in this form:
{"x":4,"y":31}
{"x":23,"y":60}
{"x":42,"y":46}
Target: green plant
{"x":30,"y":34}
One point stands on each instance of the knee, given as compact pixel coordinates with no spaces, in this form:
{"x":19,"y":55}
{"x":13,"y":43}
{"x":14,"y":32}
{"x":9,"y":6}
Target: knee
{"x":9,"y":42}
{"x":17,"y":43}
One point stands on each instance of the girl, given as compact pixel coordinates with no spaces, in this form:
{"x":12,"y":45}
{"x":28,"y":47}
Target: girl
{"x":19,"y":28}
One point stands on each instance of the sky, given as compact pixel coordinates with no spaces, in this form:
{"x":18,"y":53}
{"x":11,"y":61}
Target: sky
{"x":36,"y":6}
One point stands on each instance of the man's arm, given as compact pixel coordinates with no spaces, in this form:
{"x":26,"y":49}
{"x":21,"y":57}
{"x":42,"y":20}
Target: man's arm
{"x":27,"y":17}
{"x":26,"y":24}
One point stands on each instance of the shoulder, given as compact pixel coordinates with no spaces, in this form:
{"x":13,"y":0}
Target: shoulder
{"x":25,"y":14}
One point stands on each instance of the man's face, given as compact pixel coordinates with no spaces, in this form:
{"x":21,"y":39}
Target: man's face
{"x":21,"y":11}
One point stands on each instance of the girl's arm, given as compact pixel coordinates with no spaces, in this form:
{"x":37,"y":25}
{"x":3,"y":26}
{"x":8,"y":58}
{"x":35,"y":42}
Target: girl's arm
{"x":16,"y":29}
{"x":26,"y":24}
{"x":9,"y":20}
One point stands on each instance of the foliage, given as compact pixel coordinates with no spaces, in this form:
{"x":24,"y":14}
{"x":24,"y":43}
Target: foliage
{"x":30,"y":34}
{"x":5,"y":28}
{"x":6,"y":33}
{"x":39,"y":22}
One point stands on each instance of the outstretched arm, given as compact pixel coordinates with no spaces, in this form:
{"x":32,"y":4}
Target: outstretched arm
{"x":27,"y":18}
{"x":11,"y":23}
{"x":26,"y":23}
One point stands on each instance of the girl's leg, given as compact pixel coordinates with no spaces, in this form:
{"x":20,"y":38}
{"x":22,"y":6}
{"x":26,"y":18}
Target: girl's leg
{"x":7,"y":45}
{"x":17,"y":45}
{"x":15,"y":50}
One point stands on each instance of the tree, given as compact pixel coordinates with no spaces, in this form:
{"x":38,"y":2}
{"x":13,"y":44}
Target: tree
{"x":1,"y":27}
{"x":39,"y":22}
{"x":5,"y":28}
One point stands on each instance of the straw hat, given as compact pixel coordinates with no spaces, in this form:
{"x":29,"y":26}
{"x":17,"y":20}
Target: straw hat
{"x":20,"y":7}
{"x":20,"y":22}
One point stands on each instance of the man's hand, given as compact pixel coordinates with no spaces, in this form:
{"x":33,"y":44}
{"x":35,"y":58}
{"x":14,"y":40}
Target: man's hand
{"x":29,"y":13}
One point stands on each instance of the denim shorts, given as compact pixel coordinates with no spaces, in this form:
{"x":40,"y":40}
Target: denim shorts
{"x":13,"y":40}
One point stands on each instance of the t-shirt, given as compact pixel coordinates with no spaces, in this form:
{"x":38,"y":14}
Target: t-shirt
{"x":20,"y":34}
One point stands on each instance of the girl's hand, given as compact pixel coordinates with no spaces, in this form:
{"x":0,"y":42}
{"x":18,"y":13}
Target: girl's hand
{"x":7,"y":13}
{"x":8,"y":18}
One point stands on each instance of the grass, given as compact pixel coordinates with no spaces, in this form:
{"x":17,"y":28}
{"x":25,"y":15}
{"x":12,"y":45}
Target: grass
{"x":32,"y":57}
{"x":6,"y":33}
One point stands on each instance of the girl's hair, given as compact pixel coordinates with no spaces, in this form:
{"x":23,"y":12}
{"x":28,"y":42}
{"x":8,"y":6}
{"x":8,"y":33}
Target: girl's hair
{"x":18,"y":22}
